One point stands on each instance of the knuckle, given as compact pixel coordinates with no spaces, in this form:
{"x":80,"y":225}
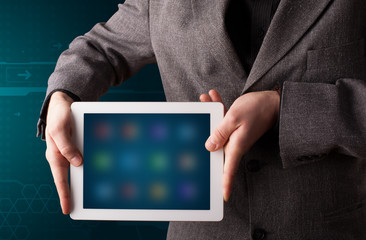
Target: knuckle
{"x":67,"y":151}
{"x":48,"y":154}
{"x":51,"y":157}
{"x":232,"y":119}
{"x":52,"y":161}
{"x":53,"y":130}
{"x":229,"y":175}
{"x":65,"y":197}
{"x":61,"y":182}
{"x":220,"y":134}
{"x":62,"y":186}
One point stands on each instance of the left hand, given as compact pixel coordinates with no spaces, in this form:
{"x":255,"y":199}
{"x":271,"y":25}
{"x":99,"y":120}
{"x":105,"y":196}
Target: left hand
{"x":249,"y":117}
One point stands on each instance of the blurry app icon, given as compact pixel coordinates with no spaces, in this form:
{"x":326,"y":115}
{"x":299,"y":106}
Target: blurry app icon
{"x":102,"y":161}
{"x":186,"y":132}
{"x":158,"y":192}
{"x":159,"y":131}
{"x":104,"y":191}
{"x":130,"y":131}
{"x":187,"y":191}
{"x":129,"y":191}
{"x":130,"y":160}
{"x":158,"y":161}
{"x":103,"y":131}
{"x":187,"y":162}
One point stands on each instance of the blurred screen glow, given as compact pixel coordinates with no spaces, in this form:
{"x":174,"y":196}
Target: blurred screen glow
{"x":146,"y":161}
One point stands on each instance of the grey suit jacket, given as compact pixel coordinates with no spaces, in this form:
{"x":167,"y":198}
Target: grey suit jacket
{"x":303,"y":180}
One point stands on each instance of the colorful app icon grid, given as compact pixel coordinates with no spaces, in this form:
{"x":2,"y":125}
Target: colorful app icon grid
{"x":146,"y":161}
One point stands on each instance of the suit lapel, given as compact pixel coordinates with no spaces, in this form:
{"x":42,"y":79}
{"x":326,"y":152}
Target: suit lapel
{"x":291,"y":21}
{"x":210,"y":28}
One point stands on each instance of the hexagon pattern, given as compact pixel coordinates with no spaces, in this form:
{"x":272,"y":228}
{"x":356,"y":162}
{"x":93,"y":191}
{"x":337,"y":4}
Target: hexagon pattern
{"x":21,"y":232}
{"x":5,"y":205}
{"x":33,"y":199}
{"x":13,"y":219}
{"x":21,"y":205}
{"x":29,"y":191}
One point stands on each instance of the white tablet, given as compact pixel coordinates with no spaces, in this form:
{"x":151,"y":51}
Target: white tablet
{"x":146,"y":161}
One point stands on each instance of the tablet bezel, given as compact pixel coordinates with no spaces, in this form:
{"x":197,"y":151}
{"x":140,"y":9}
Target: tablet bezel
{"x":215,"y":213}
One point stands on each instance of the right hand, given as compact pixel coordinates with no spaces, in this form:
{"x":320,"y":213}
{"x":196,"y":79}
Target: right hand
{"x":60,"y":149}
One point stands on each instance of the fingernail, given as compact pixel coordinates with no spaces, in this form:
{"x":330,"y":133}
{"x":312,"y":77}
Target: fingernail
{"x":76,"y":161}
{"x":226,"y":199}
{"x":226,"y":196}
{"x":211,"y":145}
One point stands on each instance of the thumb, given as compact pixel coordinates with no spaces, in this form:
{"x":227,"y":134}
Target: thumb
{"x":220,"y":135}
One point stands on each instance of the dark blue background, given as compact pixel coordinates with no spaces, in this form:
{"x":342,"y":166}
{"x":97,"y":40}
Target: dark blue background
{"x":33,"y":33}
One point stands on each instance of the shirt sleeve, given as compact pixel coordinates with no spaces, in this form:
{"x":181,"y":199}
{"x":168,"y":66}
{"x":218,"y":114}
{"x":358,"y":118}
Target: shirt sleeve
{"x":106,"y":56}
{"x":320,"y":119}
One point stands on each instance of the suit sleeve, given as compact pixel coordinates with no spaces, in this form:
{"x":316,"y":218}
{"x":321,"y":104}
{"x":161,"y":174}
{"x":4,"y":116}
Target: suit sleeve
{"x":106,"y":56}
{"x":318,"y":119}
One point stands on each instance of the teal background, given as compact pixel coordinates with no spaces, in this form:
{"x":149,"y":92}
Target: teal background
{"x":33,"y":33}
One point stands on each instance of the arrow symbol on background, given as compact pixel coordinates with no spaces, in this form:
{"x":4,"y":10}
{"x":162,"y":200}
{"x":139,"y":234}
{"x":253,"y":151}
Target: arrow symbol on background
{"x":26,"y":75}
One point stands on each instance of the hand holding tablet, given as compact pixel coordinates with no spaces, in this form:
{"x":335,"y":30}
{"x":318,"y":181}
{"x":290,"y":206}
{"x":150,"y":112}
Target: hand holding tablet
{"x":146,"y":161}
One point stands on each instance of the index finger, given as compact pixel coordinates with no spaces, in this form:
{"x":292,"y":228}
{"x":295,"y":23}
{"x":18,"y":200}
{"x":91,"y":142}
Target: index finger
{"x":60,"y":169}
{"x":215,"y":96}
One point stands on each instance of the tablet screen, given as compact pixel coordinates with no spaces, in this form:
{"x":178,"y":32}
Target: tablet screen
{"x":146,"y":161}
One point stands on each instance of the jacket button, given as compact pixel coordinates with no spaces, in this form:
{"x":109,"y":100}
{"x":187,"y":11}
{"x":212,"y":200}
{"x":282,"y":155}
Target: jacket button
{"x":320,"y":155}
{"x":304,"y":158}
{"x":253,"y":165}
{"x":259,"y":234}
